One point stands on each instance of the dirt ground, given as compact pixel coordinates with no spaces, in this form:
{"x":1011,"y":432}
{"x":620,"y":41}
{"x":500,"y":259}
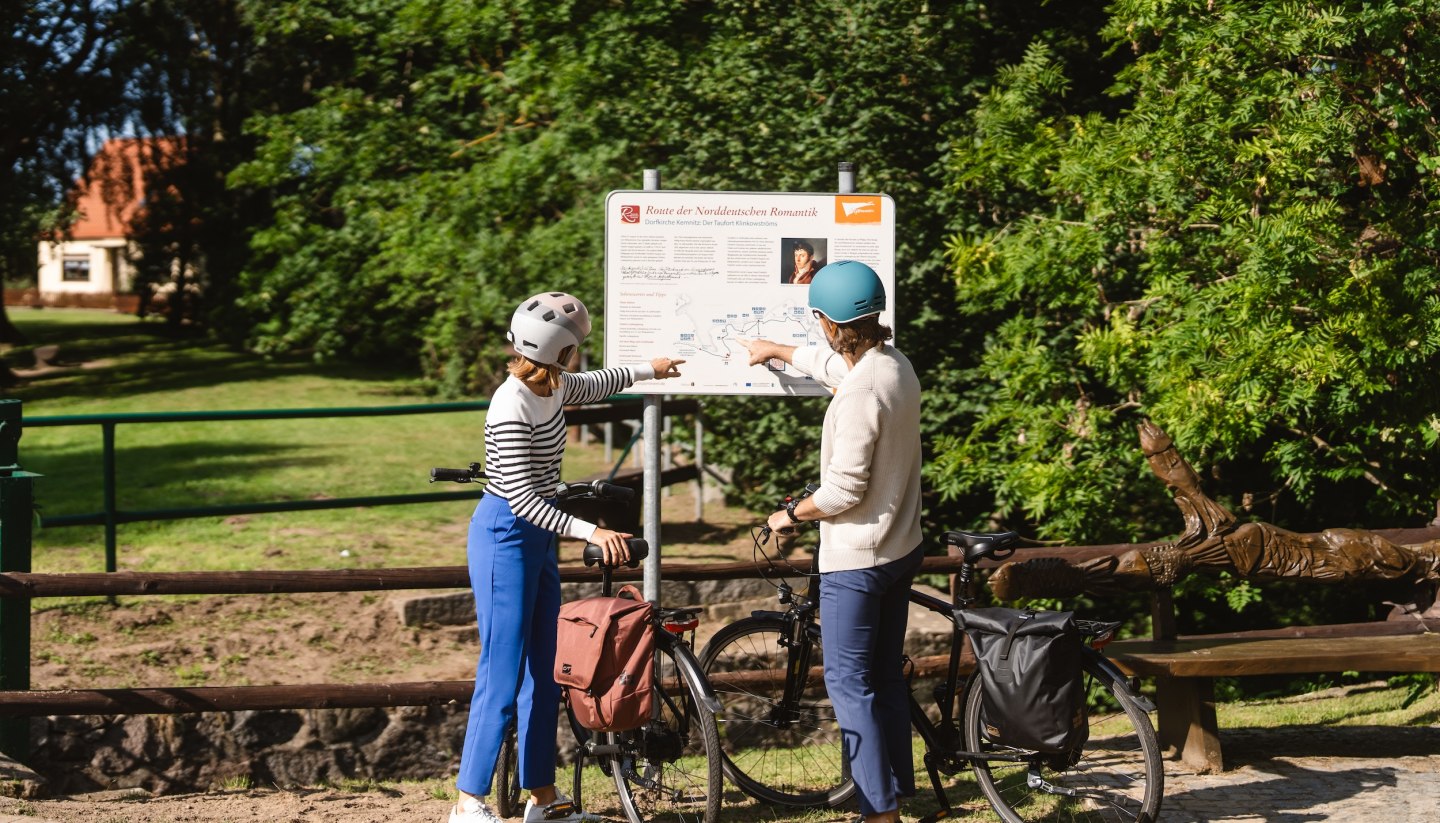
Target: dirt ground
{"x":404,"y":803}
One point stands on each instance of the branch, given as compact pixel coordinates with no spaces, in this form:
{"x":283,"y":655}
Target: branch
{"x":1369,"y":474}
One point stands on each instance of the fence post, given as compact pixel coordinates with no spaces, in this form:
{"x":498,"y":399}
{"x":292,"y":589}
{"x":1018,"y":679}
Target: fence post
{"x":108,"y":468}
{"x":17,"y":520}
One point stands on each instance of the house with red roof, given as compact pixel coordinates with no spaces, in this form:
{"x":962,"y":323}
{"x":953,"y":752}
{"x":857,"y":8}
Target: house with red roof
{"x":90,"y":263}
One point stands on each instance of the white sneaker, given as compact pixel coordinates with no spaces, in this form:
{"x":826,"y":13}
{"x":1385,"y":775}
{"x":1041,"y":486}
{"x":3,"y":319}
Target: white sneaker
{"x":473,"y":810}
{"x":563,"y":810}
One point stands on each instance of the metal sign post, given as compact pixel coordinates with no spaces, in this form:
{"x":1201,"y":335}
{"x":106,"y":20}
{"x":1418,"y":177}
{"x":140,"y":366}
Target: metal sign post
{"x":650,"y":422}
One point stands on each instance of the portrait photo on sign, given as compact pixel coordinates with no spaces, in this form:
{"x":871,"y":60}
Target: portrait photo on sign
{"x":800,"y":258}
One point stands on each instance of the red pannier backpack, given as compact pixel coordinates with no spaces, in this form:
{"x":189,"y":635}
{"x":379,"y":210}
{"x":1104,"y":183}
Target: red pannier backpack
{"x":603,"y":659}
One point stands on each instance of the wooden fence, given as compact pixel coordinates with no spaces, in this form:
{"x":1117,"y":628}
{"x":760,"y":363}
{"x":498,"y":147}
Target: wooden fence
{"x":18,"y":518}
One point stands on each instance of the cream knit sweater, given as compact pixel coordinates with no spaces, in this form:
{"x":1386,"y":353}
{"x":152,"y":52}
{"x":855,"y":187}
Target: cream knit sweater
{"x":869,"y":457}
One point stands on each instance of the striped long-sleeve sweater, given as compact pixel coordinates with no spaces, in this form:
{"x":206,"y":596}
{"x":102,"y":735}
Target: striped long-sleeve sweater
{"x":525,"y":442}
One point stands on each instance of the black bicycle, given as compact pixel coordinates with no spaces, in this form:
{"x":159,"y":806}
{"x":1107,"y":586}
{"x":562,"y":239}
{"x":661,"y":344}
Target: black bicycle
{"x":781,"y":744}
{"x":669,"y":769}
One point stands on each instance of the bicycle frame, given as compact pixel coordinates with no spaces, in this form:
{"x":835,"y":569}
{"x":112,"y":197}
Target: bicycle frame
{"x":622,"y":749}
{"x":945,"y":751}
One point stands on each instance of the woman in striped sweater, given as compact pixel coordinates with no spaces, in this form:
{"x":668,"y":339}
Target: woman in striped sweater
{"x":512,"y":553}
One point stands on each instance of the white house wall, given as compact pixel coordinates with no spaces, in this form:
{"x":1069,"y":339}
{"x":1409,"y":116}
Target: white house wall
{"x":109,"y":271}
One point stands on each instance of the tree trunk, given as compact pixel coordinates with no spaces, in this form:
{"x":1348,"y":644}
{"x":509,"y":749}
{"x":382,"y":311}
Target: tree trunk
{"x":9,"y":332}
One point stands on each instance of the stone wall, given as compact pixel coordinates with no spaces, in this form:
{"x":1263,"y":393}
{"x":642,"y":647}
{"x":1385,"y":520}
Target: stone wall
{"x":167,"y":754}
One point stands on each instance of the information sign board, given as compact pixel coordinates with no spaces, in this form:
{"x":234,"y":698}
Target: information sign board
{"x":687,"y":273}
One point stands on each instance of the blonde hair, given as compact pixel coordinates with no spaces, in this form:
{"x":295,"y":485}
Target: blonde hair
{"x":858,"y":336}
{"x":539,"y":376}
{"x":535,"y":375}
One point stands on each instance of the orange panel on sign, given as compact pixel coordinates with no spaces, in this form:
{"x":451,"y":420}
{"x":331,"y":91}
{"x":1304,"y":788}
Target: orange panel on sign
{"x":863,"y":208}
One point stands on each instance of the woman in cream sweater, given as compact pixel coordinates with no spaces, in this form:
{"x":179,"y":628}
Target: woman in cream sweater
{"x":868,"y":505}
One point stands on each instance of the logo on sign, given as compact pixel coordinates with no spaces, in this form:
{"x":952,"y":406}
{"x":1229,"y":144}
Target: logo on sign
{"x":629,"y":214}
{"x":857,"y":209}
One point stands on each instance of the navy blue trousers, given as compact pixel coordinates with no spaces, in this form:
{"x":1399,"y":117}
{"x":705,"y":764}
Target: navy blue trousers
{"x":863,"y":613}
{"x":514,"y":572}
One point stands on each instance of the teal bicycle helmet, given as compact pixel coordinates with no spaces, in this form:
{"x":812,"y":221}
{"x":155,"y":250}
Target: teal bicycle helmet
{"x":847,"y":290}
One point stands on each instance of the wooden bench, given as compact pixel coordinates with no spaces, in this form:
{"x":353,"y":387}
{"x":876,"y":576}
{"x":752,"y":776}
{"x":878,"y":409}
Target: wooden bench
{"x":1214,"y":541}
{"x":1185,"y":669}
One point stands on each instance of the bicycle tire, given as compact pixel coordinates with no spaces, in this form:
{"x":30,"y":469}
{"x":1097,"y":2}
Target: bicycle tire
{"x":507,"y":777}
{"x":1118,"y":771}
{"x":796,"y":747}
{"x":668,"y":771}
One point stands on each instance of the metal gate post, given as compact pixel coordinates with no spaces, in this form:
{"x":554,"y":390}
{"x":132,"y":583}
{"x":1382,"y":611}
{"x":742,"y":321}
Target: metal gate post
{"x":17,"y":521}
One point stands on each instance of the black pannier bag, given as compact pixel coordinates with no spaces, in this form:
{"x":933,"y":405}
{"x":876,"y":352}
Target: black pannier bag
{"x":1031,"y":677}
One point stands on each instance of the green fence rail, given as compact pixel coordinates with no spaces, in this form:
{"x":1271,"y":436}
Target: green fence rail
{"x":619,"y":407}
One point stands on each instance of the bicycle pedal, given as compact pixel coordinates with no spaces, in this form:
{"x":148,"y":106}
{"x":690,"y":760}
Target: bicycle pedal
{"x":938,"y":814}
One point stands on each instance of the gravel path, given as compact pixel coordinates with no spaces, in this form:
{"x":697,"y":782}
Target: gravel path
{"x":1370,"y":774}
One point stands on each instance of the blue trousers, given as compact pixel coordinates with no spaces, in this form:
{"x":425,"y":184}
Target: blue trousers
{"x":864,"y":613}
{"x":514,"y":572}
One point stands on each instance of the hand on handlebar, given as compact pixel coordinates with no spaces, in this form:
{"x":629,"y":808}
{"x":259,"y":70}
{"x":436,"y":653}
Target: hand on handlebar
{"x":779,"y":522}
{"x":613,"y":544}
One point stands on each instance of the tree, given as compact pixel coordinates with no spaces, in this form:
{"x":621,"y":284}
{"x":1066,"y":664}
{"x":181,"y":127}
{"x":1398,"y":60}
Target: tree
{"x":197,"y":68}
{"x":1243,"y":254}
{"x":465,"y":159}
{"x":56,"y":86}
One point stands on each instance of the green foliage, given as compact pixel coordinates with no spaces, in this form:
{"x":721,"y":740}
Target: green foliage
{"x":463,"y":164}
{"x":1241,"y":254}
{"x":460,"y":166}
{"x":1417,"y":686}
{"x":56,"y":85}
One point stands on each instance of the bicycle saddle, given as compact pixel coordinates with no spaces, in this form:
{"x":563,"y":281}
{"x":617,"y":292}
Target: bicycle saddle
{"x":638,"y":549}
{"x":980,"y":545}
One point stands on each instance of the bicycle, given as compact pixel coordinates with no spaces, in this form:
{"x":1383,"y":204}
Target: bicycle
{"x":767,"y":670}
{"x":668,"y":769}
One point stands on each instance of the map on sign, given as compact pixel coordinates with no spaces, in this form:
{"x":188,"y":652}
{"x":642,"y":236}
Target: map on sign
{"x":692,"y":274}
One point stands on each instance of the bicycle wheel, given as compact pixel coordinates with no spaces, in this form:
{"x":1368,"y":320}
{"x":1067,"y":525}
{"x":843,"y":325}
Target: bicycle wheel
{"x":1117,"y":775}
{"x":785,"y":752}
{"x":669,"y":769}
{"x":507,"y":778}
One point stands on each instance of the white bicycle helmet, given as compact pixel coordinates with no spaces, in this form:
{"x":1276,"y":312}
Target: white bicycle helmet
{"x":546,"y":324}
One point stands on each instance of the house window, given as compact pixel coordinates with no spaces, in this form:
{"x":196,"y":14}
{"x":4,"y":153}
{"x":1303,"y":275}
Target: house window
{"x":76,"y":269}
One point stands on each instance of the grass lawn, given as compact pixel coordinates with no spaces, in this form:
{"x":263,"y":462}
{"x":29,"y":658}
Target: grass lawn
{"x":116,"y":363}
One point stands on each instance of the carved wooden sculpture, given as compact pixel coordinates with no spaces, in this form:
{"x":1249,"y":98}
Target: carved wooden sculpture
{"x":1213,"y":541}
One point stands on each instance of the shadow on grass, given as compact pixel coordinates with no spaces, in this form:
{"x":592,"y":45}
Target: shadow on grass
{"x":692,"y":532}
{"x":150,"y":358}
{"x":162,"y":476}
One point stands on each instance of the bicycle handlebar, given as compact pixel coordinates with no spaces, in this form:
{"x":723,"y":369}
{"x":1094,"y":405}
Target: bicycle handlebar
{"x":594,"y":490}
{"x":810,"y":488}
{"x":586,"y":490}
{"x":470,"y":475}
